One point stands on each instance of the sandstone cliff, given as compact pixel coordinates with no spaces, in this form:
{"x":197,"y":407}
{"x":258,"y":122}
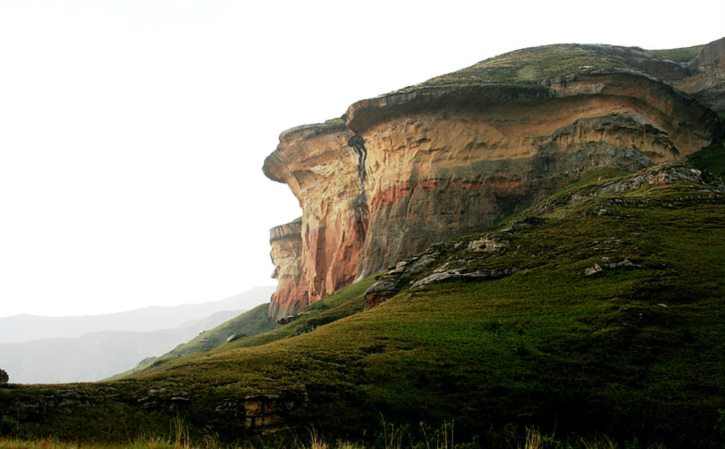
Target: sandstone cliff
{"x":402,"y":171}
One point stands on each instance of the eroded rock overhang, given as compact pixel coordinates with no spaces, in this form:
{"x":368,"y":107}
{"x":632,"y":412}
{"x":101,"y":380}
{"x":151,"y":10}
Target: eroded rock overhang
{"x":400,"y":172}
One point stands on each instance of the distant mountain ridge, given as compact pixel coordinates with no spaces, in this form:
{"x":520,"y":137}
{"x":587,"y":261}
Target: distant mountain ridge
{"x":24,"y":328}
{"x":251,"y":323}
{"x":99,"y":354}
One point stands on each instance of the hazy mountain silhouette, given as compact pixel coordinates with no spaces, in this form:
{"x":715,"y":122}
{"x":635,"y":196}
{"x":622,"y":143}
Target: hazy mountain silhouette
{"x":23,"y":328}
{"x":108,"y":344}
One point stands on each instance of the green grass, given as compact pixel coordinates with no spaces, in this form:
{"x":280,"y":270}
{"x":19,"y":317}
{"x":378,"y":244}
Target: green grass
{"x":631,"y":353}
{"x":150,"y":443}
{"x":390,"y":437}
{"x":252,"y":322}
{"x":343,"y":303}
{"x":529,"y":66}
{"x":346,"y":302}
{"x":685,"y":54}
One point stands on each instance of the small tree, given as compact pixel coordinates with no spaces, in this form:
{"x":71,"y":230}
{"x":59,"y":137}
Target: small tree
{"x":3,"y":377}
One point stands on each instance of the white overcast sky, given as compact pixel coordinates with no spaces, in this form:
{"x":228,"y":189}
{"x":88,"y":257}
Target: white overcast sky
{"x":132,"y":132}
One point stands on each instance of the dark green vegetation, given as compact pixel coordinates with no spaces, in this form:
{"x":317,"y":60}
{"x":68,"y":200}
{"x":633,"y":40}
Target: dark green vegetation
{"x":633,"y":351}
{"x":392,"y":438}
{"x":711,"y":158}
{"x":531,"y":65}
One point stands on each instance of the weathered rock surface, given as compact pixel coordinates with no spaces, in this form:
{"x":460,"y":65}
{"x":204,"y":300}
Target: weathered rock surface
{"x":261,"y":412}
{"x":405,"y":170}
{"x":286,"y":242}
{"x":707,"y":79}
{"x":397,"y":277}
{"x":457,"y":275}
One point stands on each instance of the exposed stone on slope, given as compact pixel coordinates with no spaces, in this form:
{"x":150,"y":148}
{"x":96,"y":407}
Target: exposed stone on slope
{"x":666,"y":174}
{"x":262,"y":412}
{"x":405,"y":170}
{"x":457,"y":275}
{"x":606,"y":263}
{"x":397,"y":277}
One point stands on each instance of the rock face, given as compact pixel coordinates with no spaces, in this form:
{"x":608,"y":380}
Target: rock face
{"x":707,"y":81}
{"x":320,"y":164}
{"x":286,"y":242}
{"x":400,"y":172}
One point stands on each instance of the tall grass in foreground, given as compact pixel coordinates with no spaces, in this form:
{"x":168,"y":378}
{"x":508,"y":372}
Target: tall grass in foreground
{"x":393,"y":438}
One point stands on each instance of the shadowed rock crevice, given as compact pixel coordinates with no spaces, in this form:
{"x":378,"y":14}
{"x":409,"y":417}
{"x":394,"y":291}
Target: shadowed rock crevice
{"x":360,"y":203}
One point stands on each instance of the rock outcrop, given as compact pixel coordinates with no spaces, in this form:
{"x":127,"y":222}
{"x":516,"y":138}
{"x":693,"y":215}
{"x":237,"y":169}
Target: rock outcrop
{"x":707,"y":79}
{"x":419,"y":166}
{"x":286,"y":242}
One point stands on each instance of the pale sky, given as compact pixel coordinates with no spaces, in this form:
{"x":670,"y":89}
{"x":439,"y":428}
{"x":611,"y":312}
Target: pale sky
{"x":132,"y":132}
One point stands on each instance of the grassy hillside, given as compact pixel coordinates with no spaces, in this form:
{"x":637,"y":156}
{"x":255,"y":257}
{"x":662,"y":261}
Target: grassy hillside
{"x":634,"y":350}
{"x":685,"y":54}
{"x":531,"y":65}
{"x":255,"y":327}
{"x":252,"y":322}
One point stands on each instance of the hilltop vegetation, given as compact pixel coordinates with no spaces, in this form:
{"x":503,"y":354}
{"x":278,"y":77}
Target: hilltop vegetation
{"x":684,"y":54}
{"x":529,"y":66}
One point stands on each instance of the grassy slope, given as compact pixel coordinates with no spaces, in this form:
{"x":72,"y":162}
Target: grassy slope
{"x":628,"y":353}
{"x":344,"y":303}
{"x":527,"y":67}
{"x":252,"y":322}
{"x":631,"y":352}
{"x":685,"y":54}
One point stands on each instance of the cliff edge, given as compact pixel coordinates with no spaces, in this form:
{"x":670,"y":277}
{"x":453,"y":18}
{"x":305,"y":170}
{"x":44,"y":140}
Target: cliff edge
{"x":455,"y":154}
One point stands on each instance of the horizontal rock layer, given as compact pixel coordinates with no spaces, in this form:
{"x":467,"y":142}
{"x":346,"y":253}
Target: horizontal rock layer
{"x":416,"y":167}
